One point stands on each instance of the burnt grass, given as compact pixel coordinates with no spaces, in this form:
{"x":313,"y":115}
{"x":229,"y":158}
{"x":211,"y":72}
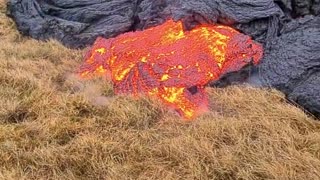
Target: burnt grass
{"x":54,"y":125}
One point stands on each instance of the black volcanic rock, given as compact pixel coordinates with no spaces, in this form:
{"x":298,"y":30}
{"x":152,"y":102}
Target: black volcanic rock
{"x":292,"y":63}
{"x":79,"y":23}
{"x":206,"y":11}
{"x":300,"y":7}
{"x":307,"y":95}
{"x":74,"y":23}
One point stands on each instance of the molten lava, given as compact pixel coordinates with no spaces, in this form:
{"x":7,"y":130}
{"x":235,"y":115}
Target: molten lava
{"x":170,"y":63}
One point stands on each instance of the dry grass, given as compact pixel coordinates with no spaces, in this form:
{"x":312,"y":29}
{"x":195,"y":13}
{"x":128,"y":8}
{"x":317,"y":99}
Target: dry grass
{"x":55,"y":126}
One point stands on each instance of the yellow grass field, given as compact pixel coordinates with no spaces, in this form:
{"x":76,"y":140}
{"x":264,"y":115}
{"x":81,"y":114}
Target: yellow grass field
{"x":54,"y":125}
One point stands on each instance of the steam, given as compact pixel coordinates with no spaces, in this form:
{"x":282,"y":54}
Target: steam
{"x":254,"y":79}
{"x":92,"y":91}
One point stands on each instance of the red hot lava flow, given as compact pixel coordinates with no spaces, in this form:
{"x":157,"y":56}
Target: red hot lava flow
{"x":170,"y":63}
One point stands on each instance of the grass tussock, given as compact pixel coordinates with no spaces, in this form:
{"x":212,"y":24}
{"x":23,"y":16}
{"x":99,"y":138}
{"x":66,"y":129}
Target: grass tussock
{"x":55,"y":126}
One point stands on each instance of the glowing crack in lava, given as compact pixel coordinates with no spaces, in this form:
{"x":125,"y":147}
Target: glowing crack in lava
{"x":170,"y":63}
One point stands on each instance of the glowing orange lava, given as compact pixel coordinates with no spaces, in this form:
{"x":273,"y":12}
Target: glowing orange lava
{"x":170,"y":63}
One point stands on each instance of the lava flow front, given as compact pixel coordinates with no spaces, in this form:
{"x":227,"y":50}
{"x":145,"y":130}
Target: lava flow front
{"x":170,"y":63}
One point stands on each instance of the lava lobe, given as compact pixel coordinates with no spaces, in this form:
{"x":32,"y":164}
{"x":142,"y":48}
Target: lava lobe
{"x":172,"y":64}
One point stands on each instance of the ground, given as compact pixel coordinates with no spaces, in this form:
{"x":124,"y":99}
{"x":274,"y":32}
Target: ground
{"x":54,"y":125}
